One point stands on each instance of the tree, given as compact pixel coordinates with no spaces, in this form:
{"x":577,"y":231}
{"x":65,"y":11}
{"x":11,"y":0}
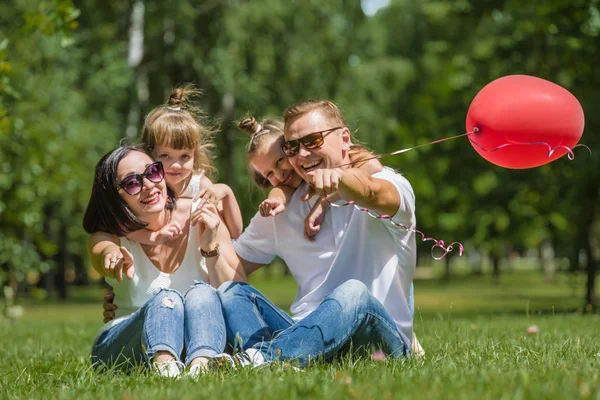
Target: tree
{"x":50,"y":118}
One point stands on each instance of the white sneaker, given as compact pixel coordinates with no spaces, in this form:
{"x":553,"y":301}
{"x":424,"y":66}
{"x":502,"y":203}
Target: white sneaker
{"x":197,"y":370}
{"x":219,"y":361}
{"x":249,"y":358}
{"x":169,"y":369}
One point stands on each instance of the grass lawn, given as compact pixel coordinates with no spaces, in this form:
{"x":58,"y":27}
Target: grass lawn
{"x":474,"y":333}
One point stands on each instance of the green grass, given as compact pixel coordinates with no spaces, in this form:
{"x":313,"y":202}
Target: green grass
{"x":474,"y":333}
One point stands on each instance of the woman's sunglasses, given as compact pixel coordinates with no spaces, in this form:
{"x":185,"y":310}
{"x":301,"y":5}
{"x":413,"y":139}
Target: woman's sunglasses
{"x":311,"y":141}
{"x":133,"y":184}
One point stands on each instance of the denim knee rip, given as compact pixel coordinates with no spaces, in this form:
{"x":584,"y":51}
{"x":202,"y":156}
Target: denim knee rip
{"x":195,"y":285}
{"x":167,"y":302}
{"x":169,"y":298}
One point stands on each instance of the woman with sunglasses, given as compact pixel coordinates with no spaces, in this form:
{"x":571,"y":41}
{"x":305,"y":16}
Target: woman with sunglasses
{"x":168,"y":310}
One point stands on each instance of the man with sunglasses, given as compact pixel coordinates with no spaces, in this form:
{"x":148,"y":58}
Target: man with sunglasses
{"x":354,"y":281}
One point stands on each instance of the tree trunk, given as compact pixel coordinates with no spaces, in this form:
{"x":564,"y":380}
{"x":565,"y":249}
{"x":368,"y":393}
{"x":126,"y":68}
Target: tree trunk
{"x":80,"y":265}
{"x":591,"y":193}
{"x":590,"y":287}
{"x":228,"y":114}
{"x":47,"y":278}
{"x":447,"y":260}
{"x":61,"y":259}
{"x":134,"y":58}
{"x":10,"y":286}
{"x":496,"y":268}
{"x":574,"y":258}
{"x":547,"y":261}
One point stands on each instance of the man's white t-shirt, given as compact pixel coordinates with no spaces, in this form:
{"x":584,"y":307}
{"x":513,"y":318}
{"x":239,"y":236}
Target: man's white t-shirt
{"x":350,"y":245}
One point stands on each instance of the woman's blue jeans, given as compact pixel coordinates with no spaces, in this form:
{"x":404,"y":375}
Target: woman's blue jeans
{"x":187,"y":326}
{"x":348,"y":318}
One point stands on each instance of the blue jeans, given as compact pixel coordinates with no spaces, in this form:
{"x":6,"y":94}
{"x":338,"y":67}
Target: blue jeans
{"x":348,"y":318}
{"x":169,"y":322}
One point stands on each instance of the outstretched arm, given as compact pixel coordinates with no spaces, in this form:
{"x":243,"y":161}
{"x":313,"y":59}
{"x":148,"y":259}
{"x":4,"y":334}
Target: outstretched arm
{"x":108,"y":257}
{"x":357,"y":185}
{"x":276,"y":201}
{"x":144,"y":236}
{"x":312,"y":223}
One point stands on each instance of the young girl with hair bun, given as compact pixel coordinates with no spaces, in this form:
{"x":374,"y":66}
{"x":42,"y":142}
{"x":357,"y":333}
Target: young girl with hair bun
{"x":179,"y":137}
{"x":271,"y":169}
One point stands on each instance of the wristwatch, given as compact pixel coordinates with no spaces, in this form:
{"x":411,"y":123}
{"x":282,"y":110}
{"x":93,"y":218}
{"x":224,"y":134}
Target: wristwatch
{"x":213,"y":253}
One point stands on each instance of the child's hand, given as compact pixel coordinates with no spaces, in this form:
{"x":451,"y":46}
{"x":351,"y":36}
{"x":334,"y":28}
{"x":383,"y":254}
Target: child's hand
{"x":209,"y":220}
{"x":271,"y":207}
{"x":312,"y":223}
{"x":168,"y":232}
{"x":214,"y":193}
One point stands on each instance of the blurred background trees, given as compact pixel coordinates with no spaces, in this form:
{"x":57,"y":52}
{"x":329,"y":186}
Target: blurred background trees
{"x":75,"y":78}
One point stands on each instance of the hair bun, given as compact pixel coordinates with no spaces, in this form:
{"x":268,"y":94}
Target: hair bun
{"x":180,"y":96}
{"x":177,"y":98}
{"x":249,"y":125}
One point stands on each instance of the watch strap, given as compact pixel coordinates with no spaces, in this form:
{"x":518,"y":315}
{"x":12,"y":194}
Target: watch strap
{"x":213,"y":253}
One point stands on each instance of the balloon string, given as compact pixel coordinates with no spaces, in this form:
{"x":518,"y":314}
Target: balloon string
{"x":436,"y":243}
{"x":393,"y":153}
{"x":551,"y":150}
{"x":440,"y":243}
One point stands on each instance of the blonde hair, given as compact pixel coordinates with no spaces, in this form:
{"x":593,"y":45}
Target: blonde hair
{"x":358,"y":151}
{"x":259,"y":132}
{"x":181,"y":125}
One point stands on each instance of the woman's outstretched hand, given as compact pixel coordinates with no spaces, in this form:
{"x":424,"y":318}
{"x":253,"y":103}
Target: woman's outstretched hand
{"x":117,"y":261}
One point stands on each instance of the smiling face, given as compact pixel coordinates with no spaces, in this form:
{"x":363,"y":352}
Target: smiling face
{"x":178,"y":163}
{"x":333,"y":152}
{"x":152,"y":198}
{"x":269,"y":161}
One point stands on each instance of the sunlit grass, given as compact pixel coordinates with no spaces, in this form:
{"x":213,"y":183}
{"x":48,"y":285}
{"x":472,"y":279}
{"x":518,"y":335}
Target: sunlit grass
{"x":474,"y":333}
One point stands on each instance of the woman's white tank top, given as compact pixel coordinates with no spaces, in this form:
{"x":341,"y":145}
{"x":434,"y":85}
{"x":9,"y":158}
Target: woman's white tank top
{"x":131,"y":294}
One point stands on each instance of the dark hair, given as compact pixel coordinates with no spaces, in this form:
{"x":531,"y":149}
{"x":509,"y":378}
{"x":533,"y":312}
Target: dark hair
{"x":106,"y":210}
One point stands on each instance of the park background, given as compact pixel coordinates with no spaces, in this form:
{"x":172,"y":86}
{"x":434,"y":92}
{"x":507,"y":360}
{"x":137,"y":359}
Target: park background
{"x":76,"y":77}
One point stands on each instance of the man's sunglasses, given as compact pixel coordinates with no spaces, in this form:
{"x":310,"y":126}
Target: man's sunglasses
{"x":133,"y":184}
{"x":311,"y":141}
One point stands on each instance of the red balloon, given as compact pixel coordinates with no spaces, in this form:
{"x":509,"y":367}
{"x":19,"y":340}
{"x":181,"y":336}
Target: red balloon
{"x":519,"y":119}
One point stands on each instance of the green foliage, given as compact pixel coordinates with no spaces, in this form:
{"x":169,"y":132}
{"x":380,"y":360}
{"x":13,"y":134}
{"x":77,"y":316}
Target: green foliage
{"x":51,"y":134}
{"x":403,"y":77}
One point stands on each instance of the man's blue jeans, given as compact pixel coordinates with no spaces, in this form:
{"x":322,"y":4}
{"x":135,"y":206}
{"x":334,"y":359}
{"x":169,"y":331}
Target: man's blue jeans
{"x":349,"y":317}
{"x":169,"y":322}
